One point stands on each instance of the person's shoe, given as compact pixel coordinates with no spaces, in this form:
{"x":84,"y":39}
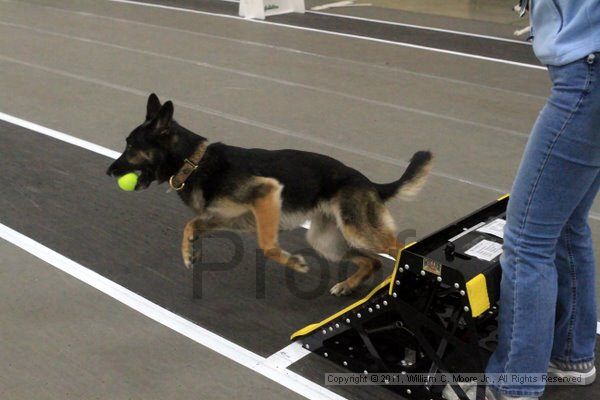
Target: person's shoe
{"x":491,"y":395}
{"x":471,"y":392}
{"x":582,"y":372}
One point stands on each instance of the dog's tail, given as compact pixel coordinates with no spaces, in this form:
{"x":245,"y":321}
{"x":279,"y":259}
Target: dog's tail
{"x":411,"y":181}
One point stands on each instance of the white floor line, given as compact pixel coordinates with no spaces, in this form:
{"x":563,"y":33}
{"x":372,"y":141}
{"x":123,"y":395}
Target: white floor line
{"x":348,"y":35}
{"x":60,"y":136}
{"x":232,"y":351}
{"x":283,"y":82}
{"x":294,"y":51}
{"x":421,"y":27}
{"x":287,"y":356}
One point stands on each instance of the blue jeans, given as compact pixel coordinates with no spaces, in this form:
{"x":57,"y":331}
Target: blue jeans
{"x":547,"y":301}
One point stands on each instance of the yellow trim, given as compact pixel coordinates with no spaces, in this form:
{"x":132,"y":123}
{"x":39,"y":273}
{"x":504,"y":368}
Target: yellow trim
{"x":387,"y":281}
{"x":308,"y":329}
{"x":478,"y":295}
{"x":395,"y":271}
{"x":503,"y":197}
{"x":396,"y":266}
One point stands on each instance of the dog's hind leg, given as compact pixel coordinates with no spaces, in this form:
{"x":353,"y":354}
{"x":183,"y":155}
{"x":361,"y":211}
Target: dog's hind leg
{"x":325,"y":237}
{"x":267,"y":212}
{"x":368,"y":227}
{"x":366,"y":266}
{"x":367,"y":224}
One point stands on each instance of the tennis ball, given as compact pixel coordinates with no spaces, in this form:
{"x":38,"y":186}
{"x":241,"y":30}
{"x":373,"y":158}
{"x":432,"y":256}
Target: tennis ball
{"x":128,"y":181}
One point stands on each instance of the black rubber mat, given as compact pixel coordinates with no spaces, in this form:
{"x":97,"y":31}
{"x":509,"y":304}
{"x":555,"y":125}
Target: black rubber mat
{"x":59,"y":195}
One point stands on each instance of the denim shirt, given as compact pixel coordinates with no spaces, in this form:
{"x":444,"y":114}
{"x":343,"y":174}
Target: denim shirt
{"x":564,"y":30}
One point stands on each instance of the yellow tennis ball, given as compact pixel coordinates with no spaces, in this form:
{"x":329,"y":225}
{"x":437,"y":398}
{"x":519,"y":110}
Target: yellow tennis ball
{"x":128,"y":181}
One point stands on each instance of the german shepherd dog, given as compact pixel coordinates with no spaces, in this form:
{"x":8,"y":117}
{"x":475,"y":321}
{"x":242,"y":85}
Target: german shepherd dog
{"x":263,"y":191}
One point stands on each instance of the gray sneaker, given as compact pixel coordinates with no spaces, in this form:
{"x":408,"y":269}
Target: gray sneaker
{"x":585,"y":373}
{"x":471,"y":392}
{"x":491,"y":395}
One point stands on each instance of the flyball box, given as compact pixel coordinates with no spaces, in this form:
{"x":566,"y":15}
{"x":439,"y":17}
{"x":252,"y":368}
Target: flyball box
{"x":436,"y":313}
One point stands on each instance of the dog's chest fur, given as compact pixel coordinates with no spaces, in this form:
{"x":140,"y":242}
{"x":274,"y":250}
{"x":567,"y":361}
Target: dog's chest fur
{"x":197,"y":201}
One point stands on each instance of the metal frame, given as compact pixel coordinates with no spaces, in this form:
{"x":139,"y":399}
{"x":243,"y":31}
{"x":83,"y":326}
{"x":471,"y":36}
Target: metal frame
{"x":417,"y":320}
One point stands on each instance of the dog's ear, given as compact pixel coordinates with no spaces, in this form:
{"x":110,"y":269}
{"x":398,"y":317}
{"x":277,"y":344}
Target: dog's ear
{"x":153,"y":107}
{"x":163,"y":119}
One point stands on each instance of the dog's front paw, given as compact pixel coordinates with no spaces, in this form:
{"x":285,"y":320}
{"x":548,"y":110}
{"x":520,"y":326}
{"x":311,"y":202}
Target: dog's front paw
{"x":340,"y":289}
{"x":188,"y":261}
{"x":297,"y":263}
{"x":188,"y":254}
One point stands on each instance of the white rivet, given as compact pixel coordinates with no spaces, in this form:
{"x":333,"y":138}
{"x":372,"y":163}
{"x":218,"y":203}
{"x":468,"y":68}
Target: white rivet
{"x":403,"y":362}
{"x":337,"y":325}
{"x":325,"y":355}
{"x":307,"y":346}
{"x":324,"y":331}
{"x":365,"y":372}
{"x":466,"y":308}
{"x":406,"y":266}
{"x":385,"y":303}
{"x":397,"y":282}
{"x":370,"y":309}
{"x":422,"y":272}
{"x":439,"y":278}
{"x":377,"y":306}
{"x":408,"y":391}
{"x":345,"y":364}
{"x":401,"y":270}
{"x":462,"y":292}
{"x":394,"y":294}
{"x":347,"y":320}
{"x":456,"y":285}
{"x":358,"y":315}
{"x":331,"y":328}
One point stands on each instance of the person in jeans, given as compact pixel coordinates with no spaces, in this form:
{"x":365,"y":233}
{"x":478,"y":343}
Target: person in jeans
{"x":547,"y":320}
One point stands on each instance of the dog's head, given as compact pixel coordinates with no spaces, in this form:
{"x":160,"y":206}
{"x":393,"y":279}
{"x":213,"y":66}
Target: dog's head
{"x":152,"y":146}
